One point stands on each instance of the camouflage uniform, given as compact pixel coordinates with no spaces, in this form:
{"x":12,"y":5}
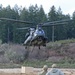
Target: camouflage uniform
{"x":43,"y":73}
{"x":44,"y":70}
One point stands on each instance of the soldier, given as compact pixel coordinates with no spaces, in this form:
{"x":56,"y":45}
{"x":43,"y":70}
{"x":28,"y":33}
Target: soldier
{"x":54,"y":71}
{"x":45,"y":68}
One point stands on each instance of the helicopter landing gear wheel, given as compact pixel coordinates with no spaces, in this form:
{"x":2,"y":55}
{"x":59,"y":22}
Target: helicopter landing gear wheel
{"x":39,"y":47}
{"x":25,"y":47}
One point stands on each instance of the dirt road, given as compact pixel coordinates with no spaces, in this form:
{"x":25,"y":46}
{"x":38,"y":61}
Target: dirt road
{"x":36,"y":70}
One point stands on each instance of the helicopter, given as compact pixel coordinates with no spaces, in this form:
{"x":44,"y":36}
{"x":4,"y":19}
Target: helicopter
{"x":36,"y":35}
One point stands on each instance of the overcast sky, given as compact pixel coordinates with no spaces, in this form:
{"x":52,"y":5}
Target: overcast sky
{"x":67,"y":6}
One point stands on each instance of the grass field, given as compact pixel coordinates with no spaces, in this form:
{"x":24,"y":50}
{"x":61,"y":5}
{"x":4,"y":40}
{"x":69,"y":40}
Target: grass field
{"x":39,"y":64}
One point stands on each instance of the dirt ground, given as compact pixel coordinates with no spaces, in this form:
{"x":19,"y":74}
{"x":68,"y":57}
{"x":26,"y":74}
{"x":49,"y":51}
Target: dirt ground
{"x":36,"y":71}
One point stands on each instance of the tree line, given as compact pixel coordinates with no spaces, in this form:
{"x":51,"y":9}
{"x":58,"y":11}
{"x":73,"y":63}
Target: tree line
{"x":35,"y":14}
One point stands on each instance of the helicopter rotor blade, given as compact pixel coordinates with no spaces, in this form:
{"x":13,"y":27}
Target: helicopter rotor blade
{"x":56,"y":24}
{"x":14,"y":20}
{"x":60,"y":21}
{"x":23,"y":28}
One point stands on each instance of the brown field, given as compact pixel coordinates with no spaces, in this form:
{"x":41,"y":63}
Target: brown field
{"x":36,"y":71}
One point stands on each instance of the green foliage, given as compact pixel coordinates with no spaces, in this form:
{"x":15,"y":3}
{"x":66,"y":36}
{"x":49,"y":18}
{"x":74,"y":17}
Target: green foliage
{"x":39,"y":64}
{"x":36,"y":15}
{"x":9,"y":65}
{"x":60,"y":43}
{"x":0,"y":41}
{"x":36,"y":63}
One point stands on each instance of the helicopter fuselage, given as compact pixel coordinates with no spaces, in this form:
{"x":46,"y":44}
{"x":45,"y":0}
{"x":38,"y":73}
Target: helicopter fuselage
{"x":36,"y":38}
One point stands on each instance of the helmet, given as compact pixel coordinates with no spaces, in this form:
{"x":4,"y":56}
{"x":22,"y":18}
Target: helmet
{"x":45,"y":67}
{"x":54,"y":66}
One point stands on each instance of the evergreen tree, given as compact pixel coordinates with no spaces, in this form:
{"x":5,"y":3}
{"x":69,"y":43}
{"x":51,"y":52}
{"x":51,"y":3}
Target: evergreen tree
{"x":52,"y":16}
{"x":8,"y":13}
{"x":36,"y":15}
{"x":41,"y":15}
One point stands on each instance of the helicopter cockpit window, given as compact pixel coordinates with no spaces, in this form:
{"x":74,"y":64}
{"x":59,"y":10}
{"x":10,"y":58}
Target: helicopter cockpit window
{"x":40,"y":29}
{"x":32,"y":31}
